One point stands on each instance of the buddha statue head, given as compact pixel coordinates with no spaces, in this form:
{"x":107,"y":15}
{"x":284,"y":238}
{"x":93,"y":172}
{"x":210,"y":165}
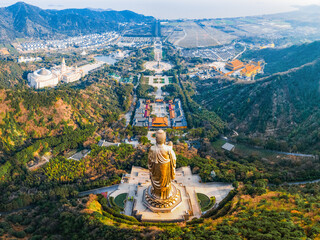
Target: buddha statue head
{"x":160,"y":137}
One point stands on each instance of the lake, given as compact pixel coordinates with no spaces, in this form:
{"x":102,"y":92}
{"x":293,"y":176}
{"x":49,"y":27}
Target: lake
{"x":107,"y":59}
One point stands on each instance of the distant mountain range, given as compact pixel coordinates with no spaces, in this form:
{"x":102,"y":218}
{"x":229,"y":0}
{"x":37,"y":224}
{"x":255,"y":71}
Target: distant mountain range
{"x":23,"y":20}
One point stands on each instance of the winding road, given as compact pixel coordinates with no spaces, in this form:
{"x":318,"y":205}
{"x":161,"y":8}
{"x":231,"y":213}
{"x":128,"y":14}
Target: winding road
{"x":301,"y":183}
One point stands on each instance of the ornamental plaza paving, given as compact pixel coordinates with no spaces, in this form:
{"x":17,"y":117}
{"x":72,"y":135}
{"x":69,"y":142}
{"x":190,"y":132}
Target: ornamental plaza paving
{"x":189,"y":185}
{"x":158,"y":67}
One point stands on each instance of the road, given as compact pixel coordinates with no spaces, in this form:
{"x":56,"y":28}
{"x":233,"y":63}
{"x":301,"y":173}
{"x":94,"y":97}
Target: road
{"x":15,"y":210}
{"x":130,"y":112}
{"x":277,"y":152}
{"x":302,"y":183}
{"x":108,"y":189}
{"x":245,"y":48}
{"x":99,"y":190}
{"x":297,"y":154}
{"x":35,"y":167}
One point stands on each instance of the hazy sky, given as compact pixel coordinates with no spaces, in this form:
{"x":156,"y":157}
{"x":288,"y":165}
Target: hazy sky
{"x":173,"y":9}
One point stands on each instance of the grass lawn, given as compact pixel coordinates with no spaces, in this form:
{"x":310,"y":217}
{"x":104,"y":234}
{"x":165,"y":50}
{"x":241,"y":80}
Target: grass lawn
{"x":245,"y":150}
{"x":119,"y":200}
{"x":204,"y":200}
{"x":218,"y":144}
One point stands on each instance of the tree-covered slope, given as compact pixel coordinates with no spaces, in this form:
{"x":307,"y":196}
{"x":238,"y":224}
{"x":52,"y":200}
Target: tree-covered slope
{"x":11,"y":74}
{"x":283,"y":106}
{"x":35,"y":122}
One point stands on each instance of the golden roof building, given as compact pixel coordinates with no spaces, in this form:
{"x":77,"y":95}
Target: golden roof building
{"x":234,"y":65}
{"x":250,"y":70}
{"x":160,"y":122}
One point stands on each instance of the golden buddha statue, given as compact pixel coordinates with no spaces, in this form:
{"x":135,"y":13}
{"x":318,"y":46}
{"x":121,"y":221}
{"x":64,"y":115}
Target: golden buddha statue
{"x":162,"y":164}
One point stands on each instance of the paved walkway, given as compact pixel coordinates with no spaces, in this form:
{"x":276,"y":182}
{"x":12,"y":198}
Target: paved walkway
{"x":129,"y":204}
{"x":159,"y":93}
{"x":89,"y":67}
{"x":139,"y":179}
{"x":151,"y":139}
{"x":193,"y":182}
{"x":194,"y":203}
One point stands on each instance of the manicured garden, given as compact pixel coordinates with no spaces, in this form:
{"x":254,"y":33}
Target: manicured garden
{"x":205,"y":202}
{"x":119,"y":200}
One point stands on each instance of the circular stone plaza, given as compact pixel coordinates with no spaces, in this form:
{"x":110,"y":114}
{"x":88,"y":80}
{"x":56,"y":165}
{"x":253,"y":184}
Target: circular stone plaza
{"x":157,"y":65}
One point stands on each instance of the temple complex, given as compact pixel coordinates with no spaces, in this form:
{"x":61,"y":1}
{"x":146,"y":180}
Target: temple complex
{"x":160,"y":114}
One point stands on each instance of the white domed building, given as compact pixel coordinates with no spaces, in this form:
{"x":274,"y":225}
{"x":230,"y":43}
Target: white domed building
{"x":50,"y":78}
{"x":43,"y":78}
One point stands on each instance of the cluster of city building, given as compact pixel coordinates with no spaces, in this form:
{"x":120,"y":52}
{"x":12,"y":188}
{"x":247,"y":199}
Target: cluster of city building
{"x":223,"y":53}
{"x":23,"y":59}
{"x":86,"y":41}
{"x":135,"y":41}
{"x":159,"y":114}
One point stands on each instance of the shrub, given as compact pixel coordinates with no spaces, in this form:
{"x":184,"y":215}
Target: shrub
{"x":20,"y":234}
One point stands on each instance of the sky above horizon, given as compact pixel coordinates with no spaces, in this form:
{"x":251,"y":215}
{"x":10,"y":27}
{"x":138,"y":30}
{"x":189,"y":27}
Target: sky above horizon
{"x":174,"y":9}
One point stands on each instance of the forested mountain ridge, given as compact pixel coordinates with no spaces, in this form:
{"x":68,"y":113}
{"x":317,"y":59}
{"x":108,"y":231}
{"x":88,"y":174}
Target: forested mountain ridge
{"x":282,"y":107}
{"x":23,"y":20}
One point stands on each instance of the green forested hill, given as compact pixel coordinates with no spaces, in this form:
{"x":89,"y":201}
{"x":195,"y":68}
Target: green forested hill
{"x":283,"y":106}
{"x":280,"y":60}
{"x":35,"y":122}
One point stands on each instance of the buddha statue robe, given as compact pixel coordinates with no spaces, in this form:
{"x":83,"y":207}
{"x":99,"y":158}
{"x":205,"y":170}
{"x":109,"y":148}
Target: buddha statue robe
{"x":161,"y":164}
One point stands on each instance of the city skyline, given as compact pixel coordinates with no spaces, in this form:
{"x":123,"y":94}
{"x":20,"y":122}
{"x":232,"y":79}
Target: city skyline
{"x":166,"y":9}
